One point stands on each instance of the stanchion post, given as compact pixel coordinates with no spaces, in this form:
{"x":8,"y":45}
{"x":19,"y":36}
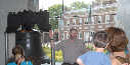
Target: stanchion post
{"x":52,"y":47}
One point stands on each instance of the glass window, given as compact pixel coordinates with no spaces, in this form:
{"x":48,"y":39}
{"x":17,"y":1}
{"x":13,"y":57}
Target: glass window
{"x":80,"y":35}
{"x":107,"y":18}
{"x":86,"y":20}
{"x":99,"y":19}
{"x":74,"y":21}
{"x":86,"y":36}
{"x":92,"y":19}
{"x":68,"y":23}
{"x":80,"y":21}
{"x":67,"y":35}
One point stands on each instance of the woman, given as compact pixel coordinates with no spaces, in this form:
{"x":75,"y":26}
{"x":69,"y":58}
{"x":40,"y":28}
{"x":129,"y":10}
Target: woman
{"x":117,"y":46}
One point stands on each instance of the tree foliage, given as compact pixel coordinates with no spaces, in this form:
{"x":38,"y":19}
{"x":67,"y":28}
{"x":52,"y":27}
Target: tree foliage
{"x":79,"y":5}
{"x":55,"y":11}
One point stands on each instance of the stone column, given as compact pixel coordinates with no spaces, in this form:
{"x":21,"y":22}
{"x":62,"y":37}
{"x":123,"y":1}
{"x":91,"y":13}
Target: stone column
{"x":33,"y":5}
{"x":3,"y":20}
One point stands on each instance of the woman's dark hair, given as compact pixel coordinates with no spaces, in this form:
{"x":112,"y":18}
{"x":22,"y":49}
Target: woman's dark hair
{"x":118,"y":40}
{"x":100,"y":39}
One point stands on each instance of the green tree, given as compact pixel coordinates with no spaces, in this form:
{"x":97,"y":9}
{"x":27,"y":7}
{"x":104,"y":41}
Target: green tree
{"x":78,"y":5}
{"x":55,"y":12}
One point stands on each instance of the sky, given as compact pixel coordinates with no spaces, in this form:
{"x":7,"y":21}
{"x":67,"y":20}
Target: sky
{"x":44,"y":4}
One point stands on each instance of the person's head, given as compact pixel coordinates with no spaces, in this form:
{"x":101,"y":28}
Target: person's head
{"x":73,"y":33}
{"x":18,"y":52}
{"x":118,"y":40}
{"x":100,"y":39}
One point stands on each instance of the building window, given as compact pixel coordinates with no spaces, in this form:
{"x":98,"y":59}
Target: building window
{"x":107,"y":19}
{"x":68,"y":23}
{"x":91,"y":33}
{"x":67,"y":36}
{"x":80,"y":35}
{"x":80,"y":21}
{"x":114,"y":18}
{"x":74,"y":21}
{"x":92,"y":19}
{"x":86,"y":36}
{"x":63,"y":36}
{"x":86,"y":20}
{"x":99,"y":19}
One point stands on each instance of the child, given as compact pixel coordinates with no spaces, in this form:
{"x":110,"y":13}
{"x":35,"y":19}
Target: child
{"x":18,"y":58}
{"x":97,"y":57}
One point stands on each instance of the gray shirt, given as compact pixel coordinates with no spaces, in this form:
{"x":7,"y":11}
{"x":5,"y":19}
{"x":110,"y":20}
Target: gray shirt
{"x":71,"y":49}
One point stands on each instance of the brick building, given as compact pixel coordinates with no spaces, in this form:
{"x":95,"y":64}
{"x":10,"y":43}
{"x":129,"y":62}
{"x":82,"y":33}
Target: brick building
{"x":99,"y":16}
